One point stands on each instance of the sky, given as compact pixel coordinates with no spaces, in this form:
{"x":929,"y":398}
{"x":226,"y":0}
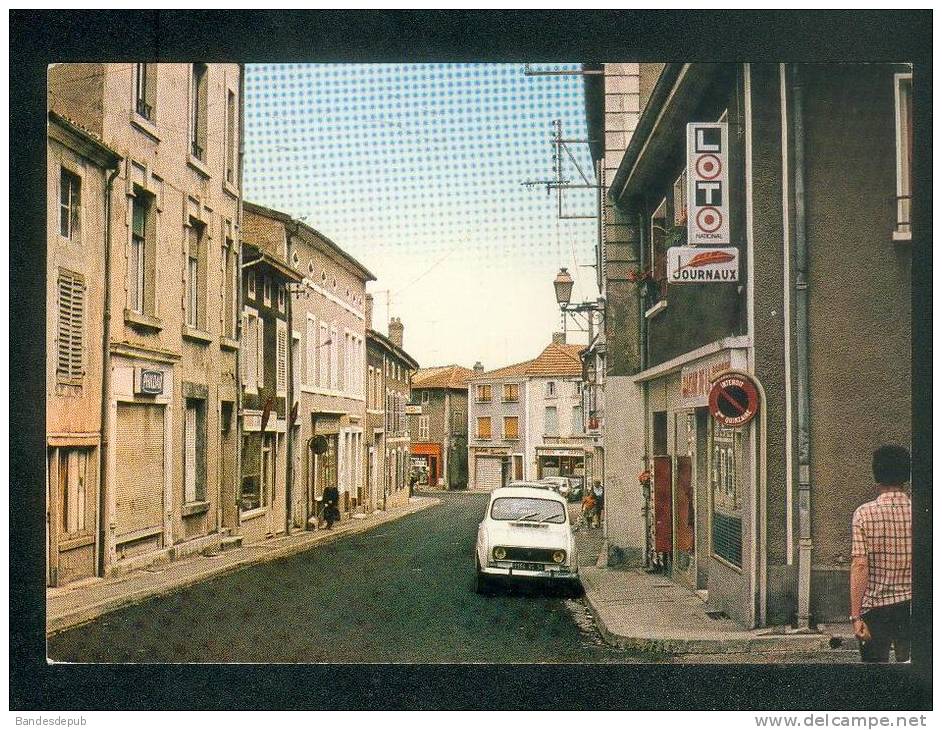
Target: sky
{"x":416,"y":171}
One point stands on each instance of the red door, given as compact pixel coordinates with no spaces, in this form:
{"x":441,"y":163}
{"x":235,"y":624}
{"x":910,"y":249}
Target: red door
{"x":684,"y":491}
{"x":663,"y":539}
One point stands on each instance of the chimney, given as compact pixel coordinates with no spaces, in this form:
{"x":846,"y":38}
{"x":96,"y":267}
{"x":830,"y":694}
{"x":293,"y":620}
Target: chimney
{"x":368,"y":311}
{"x":395,"y":331}
{"x":478,"y":367}
{"x":559,"y":338}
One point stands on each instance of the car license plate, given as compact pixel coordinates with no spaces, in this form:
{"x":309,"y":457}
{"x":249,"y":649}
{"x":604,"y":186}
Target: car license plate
{"x":528,"y":566}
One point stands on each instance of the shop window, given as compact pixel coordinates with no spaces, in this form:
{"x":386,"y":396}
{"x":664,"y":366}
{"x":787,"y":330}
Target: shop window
{"x":904,"y":156}
{"x":70,"y":204}
{"x":725,"y":483}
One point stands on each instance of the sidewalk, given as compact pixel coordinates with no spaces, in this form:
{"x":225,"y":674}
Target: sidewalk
{"x":85,"y":601}
{"x":637,"y":610}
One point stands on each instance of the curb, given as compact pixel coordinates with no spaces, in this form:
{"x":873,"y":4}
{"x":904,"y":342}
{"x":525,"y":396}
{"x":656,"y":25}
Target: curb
{"x":675,"y":646}
{"x":85,"y":614}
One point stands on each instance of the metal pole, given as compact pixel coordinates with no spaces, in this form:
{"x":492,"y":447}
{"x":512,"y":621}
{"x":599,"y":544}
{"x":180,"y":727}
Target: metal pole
{"x":801,"y":348}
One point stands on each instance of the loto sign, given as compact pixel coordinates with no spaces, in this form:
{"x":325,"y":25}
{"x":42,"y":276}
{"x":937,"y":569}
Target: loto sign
{"x":689,"y":265}
{"x":707,"y":184}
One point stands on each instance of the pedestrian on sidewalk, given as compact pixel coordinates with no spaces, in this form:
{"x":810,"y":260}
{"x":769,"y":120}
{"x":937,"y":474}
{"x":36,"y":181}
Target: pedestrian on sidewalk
{"x":882,"y":557}
{"x":331,"y":512}
{"x":588,"y":508}
{"x":599,"y":493}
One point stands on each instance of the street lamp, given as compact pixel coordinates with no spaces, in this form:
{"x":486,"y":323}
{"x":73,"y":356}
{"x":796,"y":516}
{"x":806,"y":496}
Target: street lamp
{"x":563,"y":286}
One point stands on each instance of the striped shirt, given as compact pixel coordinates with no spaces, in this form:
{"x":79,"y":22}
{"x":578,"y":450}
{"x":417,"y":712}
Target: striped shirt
{"x":883,"y":533}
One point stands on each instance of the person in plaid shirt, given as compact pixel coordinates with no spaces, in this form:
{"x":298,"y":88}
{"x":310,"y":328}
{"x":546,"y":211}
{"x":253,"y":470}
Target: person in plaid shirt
{"x":881,"y":585}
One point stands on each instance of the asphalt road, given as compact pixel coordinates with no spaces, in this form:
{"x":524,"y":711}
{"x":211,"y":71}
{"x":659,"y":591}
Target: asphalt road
{"x":399,"y":593}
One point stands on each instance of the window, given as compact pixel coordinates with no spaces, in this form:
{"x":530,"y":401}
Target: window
{"x":257,"y":470}
{"x":528,"y":509}
{"x":577,"y":388}
{"x":334,"y":359}
{"x":550,"y":422}
{"x":577,"y":425}
{"x":144,"y":89}
{"x":281,"y":359}
{"x":511,"y":392}
{"x":250,"y":284}
{"x":195,"y":276}
{"x":680,"y":200}
{"x":424,"y":428}
{"x":231,"y":149}
{"x":70,"y":201}
{"x":142,"y":259}
{"x":229,"y":288}
{"x":484,"y":394}
{"x":311,"y":352}
{"x":457,"y":420}
{"x":74,"y":493}
{"x":266,"y":291}
{"x":511,"y":428}
{"x":484,"y":427}
{"x":426,"y":396}
{"x":198,"y":121}
{"x":282,"y":298}
{"x":69,"y":344}
{"x":550,"y":389}
{"x":194,"y":451}
{"x":250,"y":348}
{"x":904,"y":156}
{"x":659,"y":236}
{"x":323,"y":348}
{"x":260,"y":354}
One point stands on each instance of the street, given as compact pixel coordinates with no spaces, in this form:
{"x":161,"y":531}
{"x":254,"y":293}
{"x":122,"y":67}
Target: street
{"x":400,"y":593}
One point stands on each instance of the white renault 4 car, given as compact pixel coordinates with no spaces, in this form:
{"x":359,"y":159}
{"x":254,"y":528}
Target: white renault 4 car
{"x":526,"y":535}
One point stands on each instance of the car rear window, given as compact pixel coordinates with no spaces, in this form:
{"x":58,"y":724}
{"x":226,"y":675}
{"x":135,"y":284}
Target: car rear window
{"x":528,"y":509}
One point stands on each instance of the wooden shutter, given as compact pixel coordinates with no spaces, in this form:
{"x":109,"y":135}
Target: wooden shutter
{"x":139,"y":478}
{"x":71,"y":324}
{"x":685,"y":505}
{"x":311,"y":352}
{"x":663,"y":521}
{"x":281,"y":362}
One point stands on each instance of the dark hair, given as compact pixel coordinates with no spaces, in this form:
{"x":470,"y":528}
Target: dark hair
{"x":891,"y":465}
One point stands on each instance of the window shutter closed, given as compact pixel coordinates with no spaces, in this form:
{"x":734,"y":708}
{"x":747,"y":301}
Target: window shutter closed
{"x":190,"y":455}
{"x":281,"y":371}
{"x":71,"y":324}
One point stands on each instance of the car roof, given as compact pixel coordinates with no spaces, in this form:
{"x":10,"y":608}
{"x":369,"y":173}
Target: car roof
{"x":534,"y":492}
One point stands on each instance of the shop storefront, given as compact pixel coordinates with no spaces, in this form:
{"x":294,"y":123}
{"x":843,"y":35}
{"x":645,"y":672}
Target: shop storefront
{"x":560,"y":463}
{"x":697,"y":515}
{"x":427,"y":461}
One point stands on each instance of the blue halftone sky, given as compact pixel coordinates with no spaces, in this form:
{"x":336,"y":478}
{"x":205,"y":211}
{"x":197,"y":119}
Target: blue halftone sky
{"x":416,"y":170}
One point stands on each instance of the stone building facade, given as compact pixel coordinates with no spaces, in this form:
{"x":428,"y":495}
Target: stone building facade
{"x":79,"y":178}
{"x":172,"y":263}
{"x":440,"y":428}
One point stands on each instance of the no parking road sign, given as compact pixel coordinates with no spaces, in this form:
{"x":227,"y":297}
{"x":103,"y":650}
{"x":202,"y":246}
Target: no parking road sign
{"x":707,"y":188}
{"x":734,"y":399}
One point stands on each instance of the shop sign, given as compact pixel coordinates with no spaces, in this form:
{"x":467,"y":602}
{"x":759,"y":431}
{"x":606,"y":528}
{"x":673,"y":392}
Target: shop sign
{"x":559,"y":452}
{"x":734,"y":399}
{"x":707,"y":181}
{"x":690,"y":265}
{"x":695,"y":379}
{"x":149,"y":382}
{"x":413,"y":410}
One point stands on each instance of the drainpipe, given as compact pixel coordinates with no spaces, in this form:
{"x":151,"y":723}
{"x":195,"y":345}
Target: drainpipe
{"x":643,"y":356}
{"x":239,"y":261}
{"x":289,"y":408}
{"x":105,"y":382}
{"x":801,"y":344}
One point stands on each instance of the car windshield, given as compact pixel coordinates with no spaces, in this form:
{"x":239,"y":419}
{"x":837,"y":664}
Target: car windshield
{"x":528,"y":509}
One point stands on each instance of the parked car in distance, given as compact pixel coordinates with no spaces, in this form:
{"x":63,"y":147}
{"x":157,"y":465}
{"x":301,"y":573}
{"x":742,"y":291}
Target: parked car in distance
{"x":557,"y":484}
{"x":526,"y":535}
{"x":568,"y":487}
